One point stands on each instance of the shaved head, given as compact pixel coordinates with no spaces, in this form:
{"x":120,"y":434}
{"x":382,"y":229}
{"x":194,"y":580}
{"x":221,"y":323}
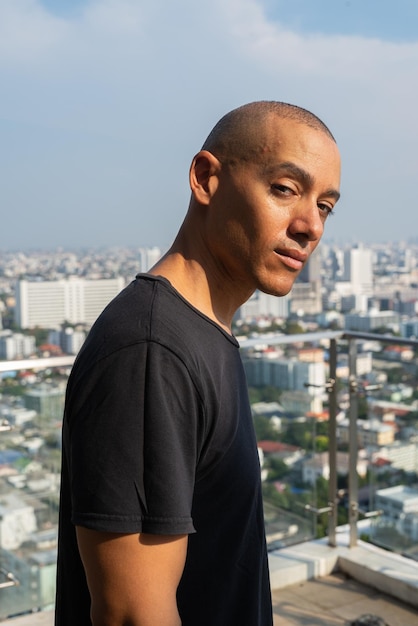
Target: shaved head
{"x":236,"y":137}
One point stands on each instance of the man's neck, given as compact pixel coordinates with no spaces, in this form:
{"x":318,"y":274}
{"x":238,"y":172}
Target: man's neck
{"x":200,"y":286}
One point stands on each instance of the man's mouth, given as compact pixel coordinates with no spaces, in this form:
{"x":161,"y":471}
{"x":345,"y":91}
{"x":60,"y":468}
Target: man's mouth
{"x":294,"y":259}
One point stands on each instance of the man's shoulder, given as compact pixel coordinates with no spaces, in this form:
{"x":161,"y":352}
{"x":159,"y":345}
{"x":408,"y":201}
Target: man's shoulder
{"x":150,"y":311}
{"x":147,"y":310}
{"x":136,"y":304}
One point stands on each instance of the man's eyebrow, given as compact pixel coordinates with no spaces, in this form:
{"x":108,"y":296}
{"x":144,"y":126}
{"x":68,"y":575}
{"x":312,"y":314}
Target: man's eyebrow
{"x":300,"y":174}
{"x":333,"y":193}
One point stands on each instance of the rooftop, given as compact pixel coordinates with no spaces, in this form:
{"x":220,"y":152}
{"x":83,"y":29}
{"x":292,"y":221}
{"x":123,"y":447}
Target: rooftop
{"x":314,"y":584}
{"x":337,"y":600}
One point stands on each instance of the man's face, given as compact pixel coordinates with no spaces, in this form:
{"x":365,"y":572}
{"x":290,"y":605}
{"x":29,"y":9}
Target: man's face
{"x":268,"y":215}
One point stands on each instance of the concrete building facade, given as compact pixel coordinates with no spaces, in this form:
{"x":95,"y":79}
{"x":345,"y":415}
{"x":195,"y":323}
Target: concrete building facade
{"x":49,"y":304}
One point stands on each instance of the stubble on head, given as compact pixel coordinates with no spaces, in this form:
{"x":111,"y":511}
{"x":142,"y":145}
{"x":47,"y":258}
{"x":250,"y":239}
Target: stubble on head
{"x":242,"y":135}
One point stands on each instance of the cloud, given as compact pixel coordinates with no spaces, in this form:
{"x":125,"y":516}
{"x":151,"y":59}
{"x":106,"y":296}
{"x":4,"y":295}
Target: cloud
{"x":104,"y":109}
{"x":28,"y":34}
{"x":137,"y":44}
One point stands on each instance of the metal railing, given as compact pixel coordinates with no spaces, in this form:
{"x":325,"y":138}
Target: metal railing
{"x":353,"y":507}
{"x":334,"y":337}
{"x":9,"y":579}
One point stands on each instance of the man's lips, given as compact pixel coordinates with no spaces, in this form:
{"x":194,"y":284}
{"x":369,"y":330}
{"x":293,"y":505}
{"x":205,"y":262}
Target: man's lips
{"x":294,"y":259}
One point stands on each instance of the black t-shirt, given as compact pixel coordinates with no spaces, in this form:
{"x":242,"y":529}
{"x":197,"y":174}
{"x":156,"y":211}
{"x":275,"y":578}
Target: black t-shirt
{"x":158,"y":438}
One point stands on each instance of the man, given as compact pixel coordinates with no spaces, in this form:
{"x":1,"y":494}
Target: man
{"x":161,"y":519}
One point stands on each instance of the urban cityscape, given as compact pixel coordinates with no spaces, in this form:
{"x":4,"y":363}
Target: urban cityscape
{"x":50,"y":299}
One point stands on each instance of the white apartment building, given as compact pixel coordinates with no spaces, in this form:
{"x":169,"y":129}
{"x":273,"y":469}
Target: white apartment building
{"x":48,"y":304}
{"x":368,"y":322}
{"x":72,"y":340}
{"x":16,"y":345}
{"x":264,"y":305}
{"x":358,"y":270}
{"x":402,"y":455}
{"x":290,"y":374}
{"x":318,"y":466}
{"x":305,"y":296}
{"x":364,"y":364}
{"x":69,"y":339}
{"x":149,"y":257}
{"x":300,"y":403}
{"x":17,"y":521}
{"x":17,"y":416}
{"x":399,"y":505}
{"x":369,"y":433}
{"x":46,"y":399}
{"x":397,"y":501}
{"x":409,"y":329}
{"x":410,"y":526}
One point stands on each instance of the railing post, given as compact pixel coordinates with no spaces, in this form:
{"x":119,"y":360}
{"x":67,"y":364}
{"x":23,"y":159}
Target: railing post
{"x":352,"y":444}
{"x":332,"y":436}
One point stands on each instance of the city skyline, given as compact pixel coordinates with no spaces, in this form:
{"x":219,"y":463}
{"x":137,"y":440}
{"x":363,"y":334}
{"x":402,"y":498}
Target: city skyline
{"x":105,"y":102}
{"x":407,"y":242}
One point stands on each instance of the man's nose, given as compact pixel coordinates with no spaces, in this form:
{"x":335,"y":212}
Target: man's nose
{"x":308,"y":220}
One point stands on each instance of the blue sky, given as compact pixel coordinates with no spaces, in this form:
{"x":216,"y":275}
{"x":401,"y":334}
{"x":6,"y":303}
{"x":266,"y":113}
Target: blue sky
{"x":386,"y":19}
{"x":103,"y":103}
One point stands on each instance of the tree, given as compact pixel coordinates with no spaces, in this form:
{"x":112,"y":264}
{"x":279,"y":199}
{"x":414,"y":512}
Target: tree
{"x":270,"y":394}
{"x":40,"y":334}
{"x":254,"y":394}
{"x":277,"y":469}
{"x":293,"y":328}
{"x":279,"y":499}
{"x":396,"y":375}
{"x":264,"y":429}
{"x":263,"y":394}
{"x":298,"y":434}
{"x":322,"y":443}
{"x":363,"y":407}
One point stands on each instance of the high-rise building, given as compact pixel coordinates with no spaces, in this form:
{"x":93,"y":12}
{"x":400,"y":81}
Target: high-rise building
{"x":286,"y":374}
{"x":358,"y":270}
{"x":369,"y":322}
{"x":68,"y":339}
{"x":47,"y":400}
{"x":306,"y":296}
{"x":409,"y":329}
{"x":48,"y":304}
{"x":311,"y":272}
{"x":264,"y":305}
{"x":15,"y":345}
{"x":148,"y":257}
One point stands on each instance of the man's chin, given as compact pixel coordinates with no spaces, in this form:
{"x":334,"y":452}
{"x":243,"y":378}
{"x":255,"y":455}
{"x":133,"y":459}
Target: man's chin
{"x":277,"y":290}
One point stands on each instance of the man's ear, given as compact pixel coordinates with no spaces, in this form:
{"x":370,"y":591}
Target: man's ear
{"x":204,"y":176}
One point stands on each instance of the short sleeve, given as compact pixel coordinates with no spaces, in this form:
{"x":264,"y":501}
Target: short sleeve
{"x":132,"y":423}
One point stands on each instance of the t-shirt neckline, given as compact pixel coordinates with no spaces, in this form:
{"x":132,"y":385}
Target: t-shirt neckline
{"x":167,"y":283}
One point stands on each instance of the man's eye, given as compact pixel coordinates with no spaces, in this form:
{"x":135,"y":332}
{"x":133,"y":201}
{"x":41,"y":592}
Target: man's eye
{"x":282,"y":188}
{"x":326,"y":208}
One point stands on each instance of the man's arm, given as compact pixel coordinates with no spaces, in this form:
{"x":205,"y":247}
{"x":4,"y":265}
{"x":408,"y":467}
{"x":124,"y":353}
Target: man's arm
{"x":132,"y":578}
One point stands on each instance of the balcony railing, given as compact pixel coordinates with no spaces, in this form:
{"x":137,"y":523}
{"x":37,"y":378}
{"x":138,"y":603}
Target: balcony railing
{"x":27,"y":575}
{"x":335,"y":338}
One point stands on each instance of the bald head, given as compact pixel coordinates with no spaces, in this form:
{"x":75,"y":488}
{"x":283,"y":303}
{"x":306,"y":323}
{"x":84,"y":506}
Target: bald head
{"x":236,"y":137}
